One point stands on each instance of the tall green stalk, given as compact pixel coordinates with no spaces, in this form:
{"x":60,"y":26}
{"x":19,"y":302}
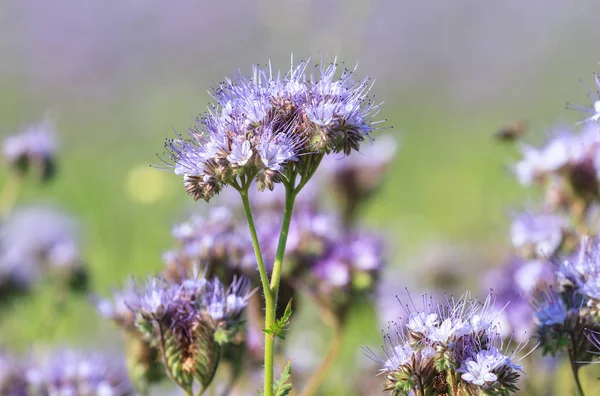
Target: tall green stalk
{"x":269,"y":301}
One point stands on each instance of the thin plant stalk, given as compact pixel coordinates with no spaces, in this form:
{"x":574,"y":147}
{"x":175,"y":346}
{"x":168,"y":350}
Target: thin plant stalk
{"x":271,"y":289}
{"x":290,"y":197}
{"x":575,"y":370}
{"x":269,"y":301}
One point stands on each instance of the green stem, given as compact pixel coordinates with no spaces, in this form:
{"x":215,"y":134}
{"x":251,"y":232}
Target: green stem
{"x":269,"y":303}
{"x":290,"y":197}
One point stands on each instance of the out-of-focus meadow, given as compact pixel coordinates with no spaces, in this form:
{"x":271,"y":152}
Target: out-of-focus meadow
{"x":116,"y":77}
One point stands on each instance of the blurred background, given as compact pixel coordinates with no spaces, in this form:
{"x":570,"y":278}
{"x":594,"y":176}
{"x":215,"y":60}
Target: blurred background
{"x":116,"y":77}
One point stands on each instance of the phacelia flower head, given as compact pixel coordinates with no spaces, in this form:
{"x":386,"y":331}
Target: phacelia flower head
{"x":267,"y":123}
{"x":538,"y":235}
{"x":71,"y":373}
{"x":490,"y":370}
{"x":32,"y":149}
{"x":567,"y":164}
{"x":189,"y":320}
{"x":582,"y":271}
{"x":40,"y":240}
{"x":458,"y":335}
{"x":562,"y":320}
{"x":349,"y":262}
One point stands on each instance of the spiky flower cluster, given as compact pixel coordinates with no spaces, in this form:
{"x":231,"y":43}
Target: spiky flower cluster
{"x":33,"y":149}
{"x":267,"y":124}
{"x":447,"y":348}
{"x":188,"y":321}
{"x":36,"y":241}
{"x":63,"y":373}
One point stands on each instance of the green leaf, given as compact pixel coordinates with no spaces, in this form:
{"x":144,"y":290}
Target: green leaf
{"x":283,"y":385}
{"x":279,"y":328}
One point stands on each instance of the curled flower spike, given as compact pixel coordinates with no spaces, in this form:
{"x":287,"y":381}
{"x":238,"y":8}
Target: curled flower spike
{"x":267,"y":124}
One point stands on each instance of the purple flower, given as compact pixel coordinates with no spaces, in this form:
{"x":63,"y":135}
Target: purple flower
{"x":38,"y":240}
{"x":594,"y":110}
{"x":583,"y":269}
{"x":70,"y":373}
{"x":456,"y":333}
{"x":352,"y":259}
{"x":538,"y":235}
{"x":565,"y":150}
{"x":483,"y":368}
{"x":226,"y":305}
{"x":549,"y":308}
{"x":35,"y":147}
{"x":264,"y":123}
{"x":154,"y":299}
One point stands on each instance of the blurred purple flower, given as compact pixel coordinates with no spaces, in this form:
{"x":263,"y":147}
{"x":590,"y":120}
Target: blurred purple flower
{"x":512,"y":285}
{"x":35,"y":148}
{"x":39,"y":240}
{"x":582,"y":270}
{"x":538,"y":234}
{"x":568,"y":163}
{"x":71,"y":373}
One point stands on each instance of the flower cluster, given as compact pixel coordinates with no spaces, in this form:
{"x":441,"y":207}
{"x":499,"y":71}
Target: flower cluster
{"x":266,"y":124}
{"x":448,"y":347}
{"x":567,"y":166}
{"x":188,"y":321}
{"x":33,"y":149}
{"x":39,"y":240}
{"x":63,"y":373}
{"x":217,"y":240}
{"x":538,"y":235}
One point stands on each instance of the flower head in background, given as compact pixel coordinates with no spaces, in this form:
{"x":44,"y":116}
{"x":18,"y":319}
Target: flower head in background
{"x":40,"y":240}
{"x":34,"y":149}
{"x":512,"y":284}
{"x":266,"y":124}
{"x":568,"y":165}
{"x":538,"y":235}
{"x":189,"y":320}
{"x":72,"y":373}
{"x":13,"y":381}
{"x":581,"y":271}
{"x":456,"y":335}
